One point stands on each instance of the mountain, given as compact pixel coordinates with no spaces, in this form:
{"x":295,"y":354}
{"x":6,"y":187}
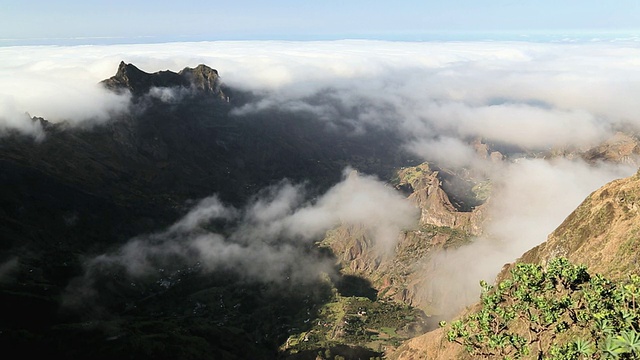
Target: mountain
{"x":448,"y":219}
{"x":202,"y":79}
{"x":601,"y":234}
{"x":82,"y":191}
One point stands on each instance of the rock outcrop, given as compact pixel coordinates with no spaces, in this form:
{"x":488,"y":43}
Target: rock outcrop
{"x":435,"y":204}
{"x":202,"y":79}
{"x":620,"y":148}
{"x":403,"y":275}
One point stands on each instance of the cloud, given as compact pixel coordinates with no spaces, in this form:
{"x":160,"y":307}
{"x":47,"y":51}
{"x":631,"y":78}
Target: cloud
{"x":204,"y":211}
{"x":530,"y":199}
{"x":358,"y":200}
{"x":7,"y":268}
{"x":42,"y":83}
{"x":12,"y":120}
{"x":524,"y":125}
{"x":269,"y":240}
{"x":446,"y":150}
{"x":168,"y":94}
{"x":521,"y":93}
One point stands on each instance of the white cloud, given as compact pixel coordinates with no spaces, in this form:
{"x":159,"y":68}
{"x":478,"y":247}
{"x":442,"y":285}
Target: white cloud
{"x":526,"y":93}
{"x":268,"y":240}
{"x":49,"y":82}
{"x":524,"y":125}
{"x":530,"y":199}
{"x":444,"y":150}
{"x":7,"y":267}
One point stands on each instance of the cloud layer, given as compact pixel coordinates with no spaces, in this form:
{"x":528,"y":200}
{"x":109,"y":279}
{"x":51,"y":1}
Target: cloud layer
{"x":269,"y":240}
{"x":530,"y":94}
{"x":437,"y":95}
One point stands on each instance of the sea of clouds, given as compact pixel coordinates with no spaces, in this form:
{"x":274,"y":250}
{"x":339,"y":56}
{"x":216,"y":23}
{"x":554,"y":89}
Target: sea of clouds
{"x":437,"y":95}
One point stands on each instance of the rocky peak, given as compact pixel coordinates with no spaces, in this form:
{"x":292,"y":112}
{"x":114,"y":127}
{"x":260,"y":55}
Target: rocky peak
{"x":436,"y":206}
{"x":202,"y":78}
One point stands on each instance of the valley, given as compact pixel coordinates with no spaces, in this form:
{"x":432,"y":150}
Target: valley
{"x":187,"y":229}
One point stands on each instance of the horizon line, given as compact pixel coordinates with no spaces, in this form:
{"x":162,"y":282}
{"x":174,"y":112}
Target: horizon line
{"x":531,"y":35}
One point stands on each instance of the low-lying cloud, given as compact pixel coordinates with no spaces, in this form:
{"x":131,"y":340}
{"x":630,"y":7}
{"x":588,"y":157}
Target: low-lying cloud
{"x":267,"y":241}
{"x":47,"y":82}
{"x":530,"y":199}
{"x":536,"y":95}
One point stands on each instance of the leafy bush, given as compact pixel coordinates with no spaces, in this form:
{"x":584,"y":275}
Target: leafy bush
{"x":557,"y":312}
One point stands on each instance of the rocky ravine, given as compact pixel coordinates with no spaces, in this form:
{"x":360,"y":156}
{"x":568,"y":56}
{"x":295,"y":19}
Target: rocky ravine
{"x":403,"y":274}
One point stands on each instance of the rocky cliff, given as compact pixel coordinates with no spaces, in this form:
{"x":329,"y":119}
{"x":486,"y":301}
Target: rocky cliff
{"x":202,"y":79}
{"x":404,"y":274}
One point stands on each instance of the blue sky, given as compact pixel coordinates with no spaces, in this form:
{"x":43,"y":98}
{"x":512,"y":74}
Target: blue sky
{"x":156,"y":21}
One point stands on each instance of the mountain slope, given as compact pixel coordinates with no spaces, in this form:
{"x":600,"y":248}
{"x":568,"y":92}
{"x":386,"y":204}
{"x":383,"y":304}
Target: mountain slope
{"x":402,"y":273}
{"x":83,"y":191}
{"x":602,"y":233}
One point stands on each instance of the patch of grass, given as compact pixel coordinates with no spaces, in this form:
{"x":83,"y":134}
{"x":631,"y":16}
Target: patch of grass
{"x":389,"y":331}
{"x":355,"y":321}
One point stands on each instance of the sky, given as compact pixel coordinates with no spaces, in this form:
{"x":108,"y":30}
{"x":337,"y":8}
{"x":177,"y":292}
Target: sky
{"x":118,"y":21}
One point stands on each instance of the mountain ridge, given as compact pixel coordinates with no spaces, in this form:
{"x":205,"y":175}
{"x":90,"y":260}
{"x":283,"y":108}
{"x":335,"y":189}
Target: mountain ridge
{"x":82,"y":191}
{"x":201,"y":78}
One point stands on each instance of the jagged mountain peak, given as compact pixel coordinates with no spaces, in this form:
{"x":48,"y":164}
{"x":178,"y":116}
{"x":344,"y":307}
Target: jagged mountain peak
{"x":201,"y":78}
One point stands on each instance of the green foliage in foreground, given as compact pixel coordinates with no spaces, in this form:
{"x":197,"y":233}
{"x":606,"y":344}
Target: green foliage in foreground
{"x":557,"y":312}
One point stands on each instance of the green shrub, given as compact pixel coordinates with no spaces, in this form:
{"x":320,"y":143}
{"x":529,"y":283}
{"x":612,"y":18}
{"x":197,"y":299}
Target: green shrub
{"x":557,"y":312}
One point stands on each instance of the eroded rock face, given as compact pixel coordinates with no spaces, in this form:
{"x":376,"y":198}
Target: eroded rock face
{"x":201,"y":79}
{"x":621,"y":148}
{"x":404,"y":274}
{"x":436,"y":206}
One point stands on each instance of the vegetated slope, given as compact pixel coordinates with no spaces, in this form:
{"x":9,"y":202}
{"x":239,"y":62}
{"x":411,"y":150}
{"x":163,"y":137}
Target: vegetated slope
{"x":601,"y":234}
{"x":556,"y":311}
{"x":82,"y":191}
